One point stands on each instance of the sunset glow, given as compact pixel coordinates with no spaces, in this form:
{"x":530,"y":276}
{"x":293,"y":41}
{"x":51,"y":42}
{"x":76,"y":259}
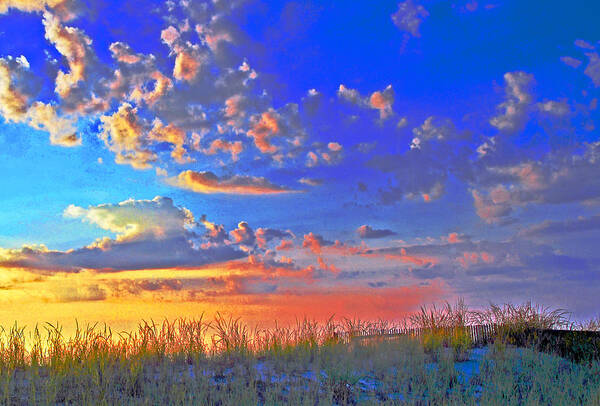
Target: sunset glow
{"x":280,"y":159}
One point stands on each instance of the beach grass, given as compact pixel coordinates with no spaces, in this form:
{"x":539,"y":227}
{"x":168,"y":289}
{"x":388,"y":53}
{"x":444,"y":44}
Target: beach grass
{"x":337,"y":361}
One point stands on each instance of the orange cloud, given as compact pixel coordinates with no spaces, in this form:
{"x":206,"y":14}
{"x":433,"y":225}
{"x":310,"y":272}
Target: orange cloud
{"x":318,"y":246}
{"x":233,"y":106}
{"x":314,"y":243}
{"x":285,"y":245}
{"x":130,"y":137}
{"x":162,"y":85}
{"x":345,"y":249}
{"x":330,"y":156}
{"x":188,"y":59}
{"x":404,"y":257}
{"x":208,"y":182}
{"x":172,"y":135}
{"x":243,"y":234}
{"x":187,"y":65}
{"x":13,"y":103}
{"x":139,"y":79}
{"x":327,"y":267}
{"x":382,"y":101}
{"x":312,"y":159}
{"x":14,"y":106}
{"x":265,"y":235}
{"x":61,"y":129}
{"x":33,"y":5}
{"x":74,"y":45}
{"x":454,"y":238}
{"x":214,"y":231}
{"x":486,"y":257}
{"x":334,"y":146}
{"x":263,"y":129}
{"x":255,"y":265}
{"x":123,"y":53}
{"x":234,"y":148}
{"x":378,"y":101}
{"x":122,"y":132}
{"x":414,"y":259}
{"x":472,"y":258}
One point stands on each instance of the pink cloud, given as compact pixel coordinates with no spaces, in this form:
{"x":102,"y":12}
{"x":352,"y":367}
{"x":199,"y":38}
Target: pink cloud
{"x":285,"y":245}
{"x":243,"y":234}
{"x":314,"y":243}
{"x":453,"y":238}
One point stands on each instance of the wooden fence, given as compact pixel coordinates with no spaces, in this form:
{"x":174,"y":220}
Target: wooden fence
{"x":480,"y":334}
{"x":579,"y":346}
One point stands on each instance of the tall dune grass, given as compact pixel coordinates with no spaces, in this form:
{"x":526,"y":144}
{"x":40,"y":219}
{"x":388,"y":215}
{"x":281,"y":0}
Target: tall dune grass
{"x":224,"y":361}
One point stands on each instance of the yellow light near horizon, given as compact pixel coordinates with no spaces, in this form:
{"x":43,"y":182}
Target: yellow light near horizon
{"x":90,"y":297}
{"x":118,"y":315}
{"x":174,"y":273}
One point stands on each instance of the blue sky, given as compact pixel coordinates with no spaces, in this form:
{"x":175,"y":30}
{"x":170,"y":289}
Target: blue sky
{"x":445,"y":148}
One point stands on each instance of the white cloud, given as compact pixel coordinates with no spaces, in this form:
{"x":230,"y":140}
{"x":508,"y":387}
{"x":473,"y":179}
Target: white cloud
{"x":514,"y":111}
{"x":409,"y":16}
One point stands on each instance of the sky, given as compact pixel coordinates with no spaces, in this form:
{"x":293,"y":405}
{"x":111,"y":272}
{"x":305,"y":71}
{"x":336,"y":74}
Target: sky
{"x":280,"y":159}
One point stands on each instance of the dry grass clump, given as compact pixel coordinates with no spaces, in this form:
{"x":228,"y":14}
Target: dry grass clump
{"x":588,"y":325}
{"x":513,"y":324}
{"x":524,"y":316}
{"x":445,"y":327}
{"x":522,"y":325}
